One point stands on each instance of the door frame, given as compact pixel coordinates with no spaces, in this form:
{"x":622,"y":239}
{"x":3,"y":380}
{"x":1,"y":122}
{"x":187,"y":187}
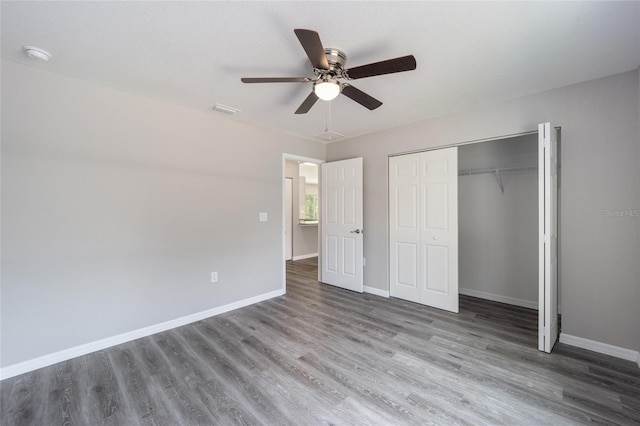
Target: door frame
{"x":293,"y":157}
{"x":514,"y":135}
{"x":288,"y":238}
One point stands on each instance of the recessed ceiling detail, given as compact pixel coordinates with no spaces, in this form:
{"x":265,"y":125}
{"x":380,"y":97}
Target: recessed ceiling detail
{"x":329,"y":136}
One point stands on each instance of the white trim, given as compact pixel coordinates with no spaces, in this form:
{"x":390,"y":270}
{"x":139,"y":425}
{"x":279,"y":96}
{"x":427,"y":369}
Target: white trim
{"x":294,"y":157}
{"x":457,"y":144}
{"x":499,"y":298}
{"x":305,"y":256}
{"x":65,"y":354}
{"x":603,"y":348}
{"x":376,"y":291}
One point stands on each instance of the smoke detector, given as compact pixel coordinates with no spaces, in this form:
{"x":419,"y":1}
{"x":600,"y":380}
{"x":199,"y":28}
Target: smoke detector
{"x":36,"y":53}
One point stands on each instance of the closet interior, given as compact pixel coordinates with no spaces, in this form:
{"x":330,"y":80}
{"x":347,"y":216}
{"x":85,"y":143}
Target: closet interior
{"x":498,"y":220}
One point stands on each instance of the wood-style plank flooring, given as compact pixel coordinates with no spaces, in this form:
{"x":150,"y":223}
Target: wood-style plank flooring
{"x":322,"y":355}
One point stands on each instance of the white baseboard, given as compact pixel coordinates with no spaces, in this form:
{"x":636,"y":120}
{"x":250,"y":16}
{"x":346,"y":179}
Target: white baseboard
{"x":65,"y":354}
{"x":499,"y":298}
{"x":376,"y":291}
{"x":603,"y":348}
{"x":305,"y":256}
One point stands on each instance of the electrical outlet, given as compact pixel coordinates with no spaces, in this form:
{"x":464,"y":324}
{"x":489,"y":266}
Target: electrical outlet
{"x":214,"y":277}
{"x":263,"y":216}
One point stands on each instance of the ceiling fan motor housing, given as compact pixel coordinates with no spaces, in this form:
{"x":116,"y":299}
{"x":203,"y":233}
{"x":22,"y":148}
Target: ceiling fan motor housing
{"x":336,"y":58}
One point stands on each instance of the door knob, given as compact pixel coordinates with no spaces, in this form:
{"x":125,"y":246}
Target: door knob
{"x":357,"y":231}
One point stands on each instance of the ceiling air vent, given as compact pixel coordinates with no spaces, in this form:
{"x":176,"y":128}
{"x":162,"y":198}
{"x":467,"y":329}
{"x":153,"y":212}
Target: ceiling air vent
{"x":329,"y":136}
{"x":223,"y":108}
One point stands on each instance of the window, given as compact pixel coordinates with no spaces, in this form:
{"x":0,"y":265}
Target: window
{"x":311,"y":207}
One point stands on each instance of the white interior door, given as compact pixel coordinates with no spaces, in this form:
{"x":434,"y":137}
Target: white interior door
{"x":548,"y":241}
{"x":342,"y":233}
{"x":288,"y":219}
{"x":424,"y":228}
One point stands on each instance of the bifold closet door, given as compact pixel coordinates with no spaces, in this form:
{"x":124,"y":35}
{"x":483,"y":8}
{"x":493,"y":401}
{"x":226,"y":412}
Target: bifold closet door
{"x":404,"y":230}
{"x":548,"y":238}
{"x":423,"y":228}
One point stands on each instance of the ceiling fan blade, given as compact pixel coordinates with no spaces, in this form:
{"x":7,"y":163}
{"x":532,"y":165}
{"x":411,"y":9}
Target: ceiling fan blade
{"x":307,"y":104}
{"x":276,"y":80}
{"x":360,"y":97}
{"x":310,"y":41}
{"x":404,"y":63}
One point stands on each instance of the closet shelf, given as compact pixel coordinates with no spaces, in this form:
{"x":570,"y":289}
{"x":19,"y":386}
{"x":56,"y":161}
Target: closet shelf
{"x":497,"y":172}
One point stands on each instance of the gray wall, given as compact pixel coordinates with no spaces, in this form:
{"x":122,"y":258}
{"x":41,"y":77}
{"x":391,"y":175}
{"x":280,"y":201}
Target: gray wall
{"x":498,"y":232}
{"x":305,"y":238}
{"x":599,"y":279}
{"x":116,"y":208}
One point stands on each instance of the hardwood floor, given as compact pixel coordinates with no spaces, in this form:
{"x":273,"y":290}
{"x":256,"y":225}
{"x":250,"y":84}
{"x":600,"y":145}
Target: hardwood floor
{"x":322,"y":355}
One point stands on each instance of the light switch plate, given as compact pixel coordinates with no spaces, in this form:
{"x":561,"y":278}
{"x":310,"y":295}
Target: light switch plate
{"x":263,"y":216}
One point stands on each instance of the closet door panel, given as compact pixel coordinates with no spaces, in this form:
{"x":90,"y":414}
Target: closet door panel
{"x":435,"y":207}
{"x":406,"y":259}
{"x":548,"y":236}
{"x":439,"y":228}
{"x":404,"y":227}
{"x":436,"y":269}
{"x":406,"y":199}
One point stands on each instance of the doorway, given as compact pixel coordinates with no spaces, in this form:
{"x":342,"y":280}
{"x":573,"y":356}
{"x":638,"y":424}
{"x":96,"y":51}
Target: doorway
{"x":498,"y":220}
{"x":301,"y":211}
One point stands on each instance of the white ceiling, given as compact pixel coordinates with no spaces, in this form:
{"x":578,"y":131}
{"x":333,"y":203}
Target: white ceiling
{"x":194,"y":53}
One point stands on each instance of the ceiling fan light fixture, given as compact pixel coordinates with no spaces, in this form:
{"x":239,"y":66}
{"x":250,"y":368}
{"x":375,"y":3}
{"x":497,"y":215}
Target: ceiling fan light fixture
{"x":326,"y":89}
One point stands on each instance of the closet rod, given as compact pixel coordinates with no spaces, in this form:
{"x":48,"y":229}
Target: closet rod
{"x":496,"y":172}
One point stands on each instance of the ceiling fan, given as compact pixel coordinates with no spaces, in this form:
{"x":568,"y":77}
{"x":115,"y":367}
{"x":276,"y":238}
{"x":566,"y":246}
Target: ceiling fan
{"x":328,"y":67}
